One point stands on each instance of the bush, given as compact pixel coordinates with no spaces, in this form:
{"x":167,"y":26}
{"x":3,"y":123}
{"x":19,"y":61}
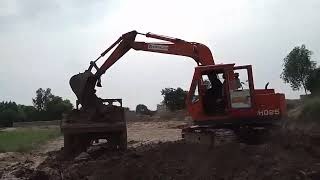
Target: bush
{"x":142,"y":109}
{"x":311,"y":110}
{"x":27,"y":113}
{"x":8,"y":113}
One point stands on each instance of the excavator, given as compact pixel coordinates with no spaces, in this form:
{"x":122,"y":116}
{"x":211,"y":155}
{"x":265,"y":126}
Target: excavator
{"x":221,"y":96}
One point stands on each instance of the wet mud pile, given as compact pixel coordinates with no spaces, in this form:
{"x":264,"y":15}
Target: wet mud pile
{"x":287,"y":157}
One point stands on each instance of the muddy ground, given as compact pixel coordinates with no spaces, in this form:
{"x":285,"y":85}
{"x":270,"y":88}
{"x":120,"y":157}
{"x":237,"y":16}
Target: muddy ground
{"x":14,"y":164}
{"x":156,"y":152}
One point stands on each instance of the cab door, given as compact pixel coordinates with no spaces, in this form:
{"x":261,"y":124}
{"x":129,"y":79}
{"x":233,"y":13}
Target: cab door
{"x":194,"y":98}
{"x":241,"y":88}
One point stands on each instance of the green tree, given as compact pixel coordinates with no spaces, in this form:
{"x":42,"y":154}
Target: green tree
{"x":174,"y":99}
{"x":49,"y":106}
{"x":57,"y":106}
{"x":9,"y":113}
{"x":297,"y":67}
{"x":313,"y":82}
{"x":28,"y":113}
{"x":7,"y":117}
{"x":42,"y":98}
{"x":142,"y":109}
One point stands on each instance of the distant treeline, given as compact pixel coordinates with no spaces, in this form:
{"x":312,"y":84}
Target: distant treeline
{"x":46,"y":107}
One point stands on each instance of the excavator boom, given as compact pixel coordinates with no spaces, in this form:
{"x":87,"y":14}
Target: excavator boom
{"x":199,"y":52}
{"x":83,"y":84}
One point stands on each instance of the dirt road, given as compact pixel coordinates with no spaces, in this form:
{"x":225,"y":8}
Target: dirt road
{"x":152,"y":132}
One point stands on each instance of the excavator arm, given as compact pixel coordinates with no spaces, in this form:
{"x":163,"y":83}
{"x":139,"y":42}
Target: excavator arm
{"x":199,"y":52}
{"x":83,"y":84}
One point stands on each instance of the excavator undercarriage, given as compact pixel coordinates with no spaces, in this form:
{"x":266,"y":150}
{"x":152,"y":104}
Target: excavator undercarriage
{"x":219,"y":135}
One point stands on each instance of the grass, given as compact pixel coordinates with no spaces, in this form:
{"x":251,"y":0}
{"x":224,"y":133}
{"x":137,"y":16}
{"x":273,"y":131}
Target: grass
{"x":26,"y":139}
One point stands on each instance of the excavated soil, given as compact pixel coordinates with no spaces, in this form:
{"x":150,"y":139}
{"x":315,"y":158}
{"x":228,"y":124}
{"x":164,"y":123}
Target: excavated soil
{"x":287,"y":158}
{"x":21,"y":165}
{"x":287,"y":155}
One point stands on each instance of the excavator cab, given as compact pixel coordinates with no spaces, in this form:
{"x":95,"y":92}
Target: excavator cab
{"x":229,"y":98}
{"x":236,"y":107}
{"x":217,"y":91}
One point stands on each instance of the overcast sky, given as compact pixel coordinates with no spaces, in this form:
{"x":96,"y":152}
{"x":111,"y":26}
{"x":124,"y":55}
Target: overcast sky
{"x":43,"y":43}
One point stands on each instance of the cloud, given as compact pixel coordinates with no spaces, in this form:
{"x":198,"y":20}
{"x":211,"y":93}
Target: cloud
{"x":43,"y":43}
{"x":54,"y":15}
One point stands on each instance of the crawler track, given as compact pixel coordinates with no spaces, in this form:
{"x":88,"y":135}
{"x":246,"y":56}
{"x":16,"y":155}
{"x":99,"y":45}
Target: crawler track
{"x":218,"y":136}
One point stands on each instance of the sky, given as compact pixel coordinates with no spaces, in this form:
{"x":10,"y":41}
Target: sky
{"x":43,"y":43}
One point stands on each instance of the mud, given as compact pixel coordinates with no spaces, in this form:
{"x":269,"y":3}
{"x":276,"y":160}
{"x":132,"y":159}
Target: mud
{"x":139,"y":133}
{"x":287,"y":155}
{"x":178,"y":160}
{"x":21,"y":165}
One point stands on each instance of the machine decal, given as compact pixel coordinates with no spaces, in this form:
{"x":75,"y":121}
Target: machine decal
{"x":268,"y":112}
{"x":158,"y":47}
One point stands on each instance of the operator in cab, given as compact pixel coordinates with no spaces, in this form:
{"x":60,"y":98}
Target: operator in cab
{"x":237,"y":83}
{"x":213,"y":99}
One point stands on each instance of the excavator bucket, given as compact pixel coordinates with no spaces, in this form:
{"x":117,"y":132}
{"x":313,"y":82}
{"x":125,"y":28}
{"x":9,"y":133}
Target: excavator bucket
{"x":78,"y":83}
{"x":94,"y":120}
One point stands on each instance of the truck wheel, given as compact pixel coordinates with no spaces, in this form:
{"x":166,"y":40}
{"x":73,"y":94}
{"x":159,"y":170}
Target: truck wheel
{"x":119,"y":140}
{"x":68,"y":144}
{"x":82,"y":142}
{"x":123,"y":140}
{"x":75,"y":144}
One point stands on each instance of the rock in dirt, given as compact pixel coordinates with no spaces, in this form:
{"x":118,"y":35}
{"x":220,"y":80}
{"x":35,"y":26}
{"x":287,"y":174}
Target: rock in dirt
{"x":96,"y":151}
{"x":17,"y":171}
{"x":82,"y":157}
{"x":46,"y":174}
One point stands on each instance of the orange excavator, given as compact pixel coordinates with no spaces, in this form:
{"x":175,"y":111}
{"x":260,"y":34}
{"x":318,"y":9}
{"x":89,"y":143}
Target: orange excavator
{"x":220,"y":95}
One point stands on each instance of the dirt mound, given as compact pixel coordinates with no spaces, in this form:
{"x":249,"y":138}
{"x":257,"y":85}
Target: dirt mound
{"x":287,"y":155}
{"x":178,"y":160}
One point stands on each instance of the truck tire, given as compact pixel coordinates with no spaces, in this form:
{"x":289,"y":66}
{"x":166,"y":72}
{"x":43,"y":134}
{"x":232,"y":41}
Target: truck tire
{"x":123,"y":140}
{"x":75,"y":144}
{"x":68,"y":142}
{"x":119,"y":140}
